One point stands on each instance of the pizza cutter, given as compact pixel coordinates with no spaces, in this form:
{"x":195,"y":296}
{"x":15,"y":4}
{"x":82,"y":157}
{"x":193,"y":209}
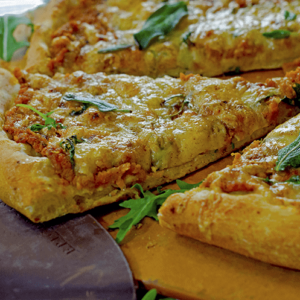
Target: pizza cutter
{"x":69,"y":258}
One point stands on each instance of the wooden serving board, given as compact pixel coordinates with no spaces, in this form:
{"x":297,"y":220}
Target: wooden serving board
{"x":183,"y":268}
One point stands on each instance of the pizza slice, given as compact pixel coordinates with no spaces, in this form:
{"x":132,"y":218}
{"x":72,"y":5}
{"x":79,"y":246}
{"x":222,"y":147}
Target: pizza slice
{"x":251,"y":207}
{"x":76,"y":141}
{"x":155,"y":38}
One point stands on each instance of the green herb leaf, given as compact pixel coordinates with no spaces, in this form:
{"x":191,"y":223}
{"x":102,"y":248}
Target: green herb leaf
{"x":151,"y":295}
{"x":289,"y":156}
{"x":289,"y":16}
{"x":295,"y":101}
{"x":79,"y":112}
{"x":259,"y":94}
{"x":171,"y":103}
{"x":170,"y":100}
{"x":8,"y":44}
{"x":294,"y":179}
{"x":49,"y":122}
{"x":102,"y":106}
{"x":186,"y":38}
{"x":187,"y":186}
{"x":160,"y":23}
{"x":69,"y":146}
{"x":277,"y":34}
{"x":145,"y":206}
{"x":267,"y":179}
{"x":114,"y":48}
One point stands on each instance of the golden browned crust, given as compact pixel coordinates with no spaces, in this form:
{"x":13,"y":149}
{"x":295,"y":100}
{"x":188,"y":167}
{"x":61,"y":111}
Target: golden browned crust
{"x":246,"y":224}
{"x":237,"y":210}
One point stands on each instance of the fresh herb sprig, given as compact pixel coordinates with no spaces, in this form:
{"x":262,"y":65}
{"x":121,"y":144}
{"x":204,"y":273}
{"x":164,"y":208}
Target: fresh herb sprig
{"x":277,"y":34}
{"x":101,"y":105}
{"x":289,"y":16}
{"x":289,"y":156}
{"x":160,"y":23}
{"x":294,"y":101}
{"x":8,"y":44}
{"x":152,"y":294}
{"x":171,"y":103}
{"x":114,"y":48}
{"x":49,"y":122}
{"x":293,"y":179}
{"x":186,"y":38}
{"x":81,"y":111}
{"x":145,"y":206}
{"x":68,"y":146}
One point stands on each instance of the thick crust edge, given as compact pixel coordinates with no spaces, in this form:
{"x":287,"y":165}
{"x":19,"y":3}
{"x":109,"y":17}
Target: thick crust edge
{"x":245,"y":224}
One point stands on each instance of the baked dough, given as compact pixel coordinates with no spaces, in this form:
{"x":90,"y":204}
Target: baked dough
{"x":175,"y":127}
{"x":238,"y":209}
{"x":220,"y":36}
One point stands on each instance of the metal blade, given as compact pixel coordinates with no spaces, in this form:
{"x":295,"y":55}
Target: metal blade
{"x":68,"y":258}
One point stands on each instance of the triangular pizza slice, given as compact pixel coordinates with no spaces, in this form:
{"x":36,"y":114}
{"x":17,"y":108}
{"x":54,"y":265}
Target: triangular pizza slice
{"x":76,"y":141}
{"x":251,"y":207}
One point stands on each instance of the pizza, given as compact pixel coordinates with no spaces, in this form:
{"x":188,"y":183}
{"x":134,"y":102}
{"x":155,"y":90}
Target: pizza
{"x":251,"y":207}
{"x":75,"y":141}
{"x":156,"y":39}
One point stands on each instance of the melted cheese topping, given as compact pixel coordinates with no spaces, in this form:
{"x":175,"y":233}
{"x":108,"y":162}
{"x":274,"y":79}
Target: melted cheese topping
{"x":249,"y":171}
{"x":224,"y":37}
{"x":160,"y":132}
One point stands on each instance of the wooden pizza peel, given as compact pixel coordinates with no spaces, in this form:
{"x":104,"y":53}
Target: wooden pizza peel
{"x":183,"y":268}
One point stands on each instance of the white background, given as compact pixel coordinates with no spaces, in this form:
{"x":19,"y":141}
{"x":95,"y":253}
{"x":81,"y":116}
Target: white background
{"x":17,"y":6}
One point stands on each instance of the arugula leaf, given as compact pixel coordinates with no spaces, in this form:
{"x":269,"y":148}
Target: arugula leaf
{"x":160,"y":23}
{"x":151,"y":295}
{"x":277,"y":34}
{"x":79,"y":112}
{"x":186,"y":38}
{"x":102,"y":106}
{"x":8,"y":44}
{"x":289,"y":156}
{"x":289,"y":16}
{"x":187,"y":186}
{"x":259,"y":95}
{"x":170,"y":102}
{"x":69,"y":146}
{"x":294,"y":179}
{"x":49,"y":122}
{"x":296,"y":88}
{"x":237,"y":70}
{"x":295,"y":101}
{"x":169,"y":99}
{"x":114,"y":48}
{"x":145,"y":206}
{"x":267,"y":179}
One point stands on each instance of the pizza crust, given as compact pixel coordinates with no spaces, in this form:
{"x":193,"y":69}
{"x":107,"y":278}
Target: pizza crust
{"x":236,"y":210}
{"x":245,"y":224}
